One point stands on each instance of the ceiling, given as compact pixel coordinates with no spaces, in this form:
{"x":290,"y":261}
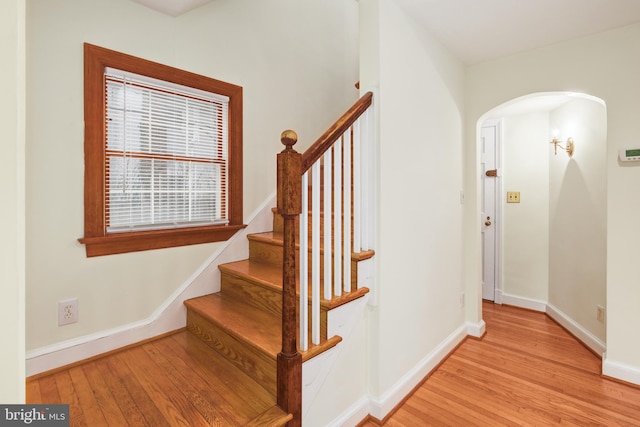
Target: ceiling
{"x":480,"y":30}
{"x":172,"y":7}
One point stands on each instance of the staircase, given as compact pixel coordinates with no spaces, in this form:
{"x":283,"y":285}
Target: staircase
{"x":244,"y":322}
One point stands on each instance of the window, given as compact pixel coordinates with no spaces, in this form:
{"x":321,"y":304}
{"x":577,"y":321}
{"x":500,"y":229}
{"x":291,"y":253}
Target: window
{"x":163,"y":155}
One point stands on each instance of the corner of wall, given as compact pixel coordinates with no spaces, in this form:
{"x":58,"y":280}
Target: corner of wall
{"x":620,"y":371}
{"x":577,"y":330}
{"x":380,"y":406}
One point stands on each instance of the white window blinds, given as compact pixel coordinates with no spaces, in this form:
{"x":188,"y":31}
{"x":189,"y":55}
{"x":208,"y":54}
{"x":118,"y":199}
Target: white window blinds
{"x":166,"y":154}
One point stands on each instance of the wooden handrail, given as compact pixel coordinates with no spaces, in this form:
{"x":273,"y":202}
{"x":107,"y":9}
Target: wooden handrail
{"x":289,"y":205}
{"x":291,"y":168}
{"x":322,"y":144}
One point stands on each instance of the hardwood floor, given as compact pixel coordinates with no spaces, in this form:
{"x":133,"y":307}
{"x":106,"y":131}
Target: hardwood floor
{"x":174,"y":381}
{"x":526,"y":371}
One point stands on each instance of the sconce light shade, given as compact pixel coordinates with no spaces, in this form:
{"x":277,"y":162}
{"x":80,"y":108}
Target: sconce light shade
{"x":569,"y":146}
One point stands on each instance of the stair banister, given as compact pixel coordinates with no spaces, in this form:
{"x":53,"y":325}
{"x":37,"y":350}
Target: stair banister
{"x":322,"y":144}
{"x":333,"y":161}
{"x":341,"y":152}
{"x":289,"y":205}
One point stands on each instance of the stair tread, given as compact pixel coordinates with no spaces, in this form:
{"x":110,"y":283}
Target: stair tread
{"x":276,"y":238}
{"x":272,"y":417}
{"x":270,"y":276}
{"x":268,"y":236}
{"x":261,"y":329}
{"x":267,"y":274}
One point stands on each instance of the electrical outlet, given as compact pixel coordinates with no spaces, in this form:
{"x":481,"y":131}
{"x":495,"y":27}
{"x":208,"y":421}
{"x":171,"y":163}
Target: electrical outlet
{"x":67,"y":311}
{"x":600,"y":313}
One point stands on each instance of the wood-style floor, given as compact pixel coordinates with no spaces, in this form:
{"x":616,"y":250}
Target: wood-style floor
{"x":173,"y":381}
{"x":526,"y":371}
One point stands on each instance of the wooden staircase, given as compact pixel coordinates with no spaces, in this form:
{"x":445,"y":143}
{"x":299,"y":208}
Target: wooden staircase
{"x":244,"y":322}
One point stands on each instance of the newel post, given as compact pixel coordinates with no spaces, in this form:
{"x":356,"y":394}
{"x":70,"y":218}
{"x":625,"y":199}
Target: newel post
{"x":289,"y":205}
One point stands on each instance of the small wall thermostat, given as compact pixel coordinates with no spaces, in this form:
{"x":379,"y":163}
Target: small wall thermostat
{"x":630,"y":155}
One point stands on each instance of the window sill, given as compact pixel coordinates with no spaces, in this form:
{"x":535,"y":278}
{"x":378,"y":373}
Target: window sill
{"x":119,"y":243}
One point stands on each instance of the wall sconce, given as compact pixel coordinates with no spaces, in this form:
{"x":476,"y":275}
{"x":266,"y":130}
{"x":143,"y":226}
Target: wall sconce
{"x":569,"y":146}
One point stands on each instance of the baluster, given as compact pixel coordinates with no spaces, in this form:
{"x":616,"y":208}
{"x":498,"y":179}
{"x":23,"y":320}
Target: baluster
{"x":304,"y":265}
{"x":328,"y":194}
{"x":315,"y":254}
{"x":346,"y":212}
{"x":357,"y":182}
{"x":337,"y":215}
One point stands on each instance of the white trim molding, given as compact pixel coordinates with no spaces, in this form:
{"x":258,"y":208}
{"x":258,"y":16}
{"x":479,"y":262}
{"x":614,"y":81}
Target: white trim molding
{"x":380,"y":406}
{"x":354,"y":415}
{"x":620,"y":371}
{"x":171,"y":315}
{"x":577,"y":330}
{"x":476,"y":329}
{"x":523,"y":302}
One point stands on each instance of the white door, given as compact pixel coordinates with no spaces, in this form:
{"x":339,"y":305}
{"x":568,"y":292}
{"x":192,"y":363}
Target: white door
{"x":490,"y":198}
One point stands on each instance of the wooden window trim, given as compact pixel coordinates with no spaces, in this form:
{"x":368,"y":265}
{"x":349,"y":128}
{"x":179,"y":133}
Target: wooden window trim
{"x":97,"y":242}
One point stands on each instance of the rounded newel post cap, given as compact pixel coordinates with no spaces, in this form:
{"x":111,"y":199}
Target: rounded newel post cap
{"x":288,"y":138}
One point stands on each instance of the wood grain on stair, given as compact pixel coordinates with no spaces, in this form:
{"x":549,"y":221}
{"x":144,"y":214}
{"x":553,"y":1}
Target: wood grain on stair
{"x":273,"y":417}
{"x":240,"y":320}
{"x":255,"y":283}
{"x":267,"y":248}
{"x":268,"y":278}
{"x":249,"y":338}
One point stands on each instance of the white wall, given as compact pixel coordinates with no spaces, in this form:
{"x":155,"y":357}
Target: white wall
{"x":604,"y":65}
{"x":297,"y":62}
{"x":419,"y":239}
{"x":12,"y":126}
{"x":577,"y":215}
{"x":526,"y":224}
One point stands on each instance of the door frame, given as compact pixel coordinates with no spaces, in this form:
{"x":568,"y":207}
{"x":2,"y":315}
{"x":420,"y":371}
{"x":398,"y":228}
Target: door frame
{"x":499,"y":208}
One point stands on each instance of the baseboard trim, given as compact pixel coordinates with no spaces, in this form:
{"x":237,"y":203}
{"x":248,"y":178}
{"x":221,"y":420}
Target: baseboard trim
{"x":476,"y":329}
{"x":171,"y":315}
{"x":354,"y":415}
{"x":577,"y":330}
{"x":379,"y":407}
{"x":620,"y":371}
{"x":522,"y":302}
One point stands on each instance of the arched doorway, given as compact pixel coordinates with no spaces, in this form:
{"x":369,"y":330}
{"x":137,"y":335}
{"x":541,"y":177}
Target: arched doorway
{"x":550,"y":252}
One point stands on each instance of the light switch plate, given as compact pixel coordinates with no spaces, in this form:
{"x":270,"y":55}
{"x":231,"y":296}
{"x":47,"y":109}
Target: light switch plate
{"x":513,"y":197}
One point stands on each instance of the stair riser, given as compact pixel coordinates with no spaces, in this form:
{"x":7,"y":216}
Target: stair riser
{"x":251,"y":360}
{"x":278,"y":225}
{"x":243,"y":289}
{"x":263,"y":298}
{"x":272,"y":254}
{"x":267,"y":252}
